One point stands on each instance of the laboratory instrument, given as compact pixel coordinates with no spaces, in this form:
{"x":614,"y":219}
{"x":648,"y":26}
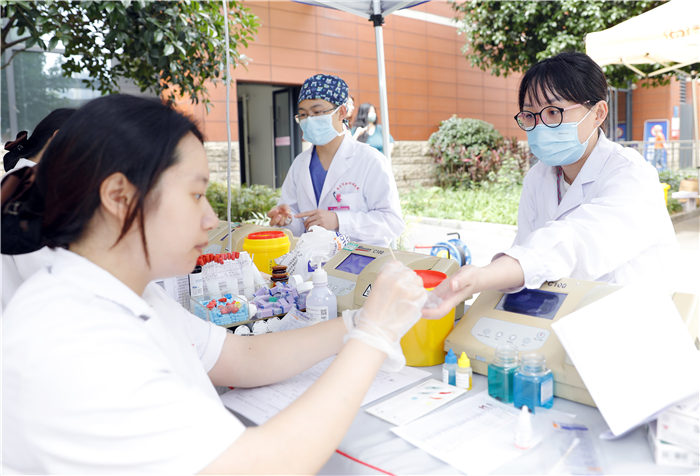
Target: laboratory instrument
{"x":352,"y":270}
{"x":524,"y":319}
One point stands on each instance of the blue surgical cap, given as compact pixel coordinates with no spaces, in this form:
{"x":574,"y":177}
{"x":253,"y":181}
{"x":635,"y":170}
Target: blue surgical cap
{"x":324,"y":86}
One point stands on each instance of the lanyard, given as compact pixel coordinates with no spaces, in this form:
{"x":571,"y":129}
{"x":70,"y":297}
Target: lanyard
{"x":559,"y":174}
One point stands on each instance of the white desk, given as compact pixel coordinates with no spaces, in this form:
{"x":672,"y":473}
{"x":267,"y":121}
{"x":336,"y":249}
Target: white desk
{"x":370,"y":440}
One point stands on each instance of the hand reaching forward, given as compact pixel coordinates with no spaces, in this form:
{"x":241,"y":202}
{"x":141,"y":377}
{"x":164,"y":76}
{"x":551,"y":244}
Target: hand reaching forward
{"x":324,"y":218}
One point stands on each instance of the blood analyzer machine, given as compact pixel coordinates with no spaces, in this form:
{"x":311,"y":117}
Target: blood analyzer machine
{"x":352,"y":270}
{"x":524,"y":320}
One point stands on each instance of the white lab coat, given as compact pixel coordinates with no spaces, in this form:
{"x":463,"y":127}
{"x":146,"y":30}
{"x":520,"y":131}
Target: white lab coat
{"x":359,"y":187}
{"x":611,"y":225}
{"x":98,"y":379}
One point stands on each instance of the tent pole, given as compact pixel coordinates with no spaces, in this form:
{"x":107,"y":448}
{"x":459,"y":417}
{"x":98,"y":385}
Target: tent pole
{"x":228,"y":128}
{"x":377,"y":19}
{"x":696,"y":148}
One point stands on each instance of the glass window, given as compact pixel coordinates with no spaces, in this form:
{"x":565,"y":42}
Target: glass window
{"x":38,"y":88}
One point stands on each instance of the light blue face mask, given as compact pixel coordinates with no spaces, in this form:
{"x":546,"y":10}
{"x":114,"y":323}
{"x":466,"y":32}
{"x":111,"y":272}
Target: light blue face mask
{"x":557,"y":146}
{"x":319,"y":130}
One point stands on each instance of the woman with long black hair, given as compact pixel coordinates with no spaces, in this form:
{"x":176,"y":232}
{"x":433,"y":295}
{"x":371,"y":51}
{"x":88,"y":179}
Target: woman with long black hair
{"x":104,"y":373}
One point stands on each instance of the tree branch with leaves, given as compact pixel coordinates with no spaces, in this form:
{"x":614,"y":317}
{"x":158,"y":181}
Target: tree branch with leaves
{"x":169,"y":48}
{"x":510,"y":36}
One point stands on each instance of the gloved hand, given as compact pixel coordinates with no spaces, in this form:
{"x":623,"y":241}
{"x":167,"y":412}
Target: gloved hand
{"x":392,"y":308}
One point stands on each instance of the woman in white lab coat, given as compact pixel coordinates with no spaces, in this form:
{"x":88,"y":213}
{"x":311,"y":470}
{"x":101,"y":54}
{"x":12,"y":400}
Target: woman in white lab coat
{"x":339,"y":183}
{"x":104,"y":373}
{"x":590,"y":209}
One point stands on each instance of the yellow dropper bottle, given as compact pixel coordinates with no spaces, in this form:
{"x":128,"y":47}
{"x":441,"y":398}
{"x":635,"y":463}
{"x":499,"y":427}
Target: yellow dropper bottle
{"x":464,"y":372}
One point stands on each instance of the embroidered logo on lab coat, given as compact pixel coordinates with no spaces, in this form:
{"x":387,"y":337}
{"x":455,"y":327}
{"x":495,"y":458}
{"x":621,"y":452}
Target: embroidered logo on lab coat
{"x":343,"y":194}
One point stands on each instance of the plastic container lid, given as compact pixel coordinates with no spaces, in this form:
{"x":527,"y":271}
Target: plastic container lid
{"x":450,"y":358}
{"x":319,"y":276}
{"x":266,"y":235}
{"x":430,"y":278}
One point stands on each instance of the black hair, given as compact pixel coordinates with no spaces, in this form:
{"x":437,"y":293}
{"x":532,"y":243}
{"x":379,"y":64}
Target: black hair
{"x":117,"y":133}
{"x":25,"y":148}
{"x":361,"y":119}
{"x":570,"y":76}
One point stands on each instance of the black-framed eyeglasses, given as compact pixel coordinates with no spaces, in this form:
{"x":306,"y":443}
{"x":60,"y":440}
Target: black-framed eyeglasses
{"x":300,"y":117}
{"x":551,"y":116}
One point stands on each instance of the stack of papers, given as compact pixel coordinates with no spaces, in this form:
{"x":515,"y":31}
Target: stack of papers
{"x":262,"y":403}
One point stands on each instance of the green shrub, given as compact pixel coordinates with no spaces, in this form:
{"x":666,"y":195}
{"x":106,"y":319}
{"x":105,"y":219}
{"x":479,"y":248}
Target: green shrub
{"x":514,"y":164}
{"x":674,"y":177}
{"x":487,"y":203}
{"x":464,"y":151}
{"x":247,"y":202}
{"x":673,"y":206}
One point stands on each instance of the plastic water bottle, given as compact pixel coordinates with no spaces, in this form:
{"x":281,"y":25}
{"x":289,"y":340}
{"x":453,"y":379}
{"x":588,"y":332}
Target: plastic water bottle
{"x":321,"y":303}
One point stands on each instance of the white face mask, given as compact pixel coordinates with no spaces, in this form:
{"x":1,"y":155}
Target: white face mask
{"x":372,"y":117}
{"x":556,"y":146}
{"x":319,"y":130}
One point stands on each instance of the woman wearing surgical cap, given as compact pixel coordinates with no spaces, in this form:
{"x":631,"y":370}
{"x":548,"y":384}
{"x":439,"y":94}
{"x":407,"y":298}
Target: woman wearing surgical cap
{"x":339,"y":184}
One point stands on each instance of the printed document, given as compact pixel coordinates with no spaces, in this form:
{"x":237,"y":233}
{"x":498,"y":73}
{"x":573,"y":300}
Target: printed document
{"x":475,"y":434}
{"x":262,"y":403}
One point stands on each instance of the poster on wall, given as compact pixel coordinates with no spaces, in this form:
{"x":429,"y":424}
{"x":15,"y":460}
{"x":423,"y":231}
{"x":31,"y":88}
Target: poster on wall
{"x":621,"y":132}
{"x":655,"y":142}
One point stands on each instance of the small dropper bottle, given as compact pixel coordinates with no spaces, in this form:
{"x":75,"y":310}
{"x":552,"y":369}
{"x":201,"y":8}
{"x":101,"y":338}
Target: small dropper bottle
{"x":449,"y":368}
{"x":464,"y":372}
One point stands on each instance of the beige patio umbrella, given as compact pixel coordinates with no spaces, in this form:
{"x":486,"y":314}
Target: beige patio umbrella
{"x":668,"y":35}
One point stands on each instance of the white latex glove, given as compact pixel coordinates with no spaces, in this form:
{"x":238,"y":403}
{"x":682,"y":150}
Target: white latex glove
{"x":392,"y":308}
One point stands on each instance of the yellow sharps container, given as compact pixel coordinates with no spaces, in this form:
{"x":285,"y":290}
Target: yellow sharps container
{"x":265,"y":247}
{"x":423,"y":343}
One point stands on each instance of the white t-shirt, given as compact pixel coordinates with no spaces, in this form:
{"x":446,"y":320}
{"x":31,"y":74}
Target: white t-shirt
{"x":97,"y":379}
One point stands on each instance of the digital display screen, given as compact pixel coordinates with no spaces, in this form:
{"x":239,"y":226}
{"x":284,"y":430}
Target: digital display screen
{"x":532,"y":302}
{"x":354,"y":263}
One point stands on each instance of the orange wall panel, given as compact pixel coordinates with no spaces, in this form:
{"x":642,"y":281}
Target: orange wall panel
{"x":428,"y":77}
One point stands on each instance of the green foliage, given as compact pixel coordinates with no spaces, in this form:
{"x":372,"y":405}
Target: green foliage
{"x":673,"y":177}
{"x":485,"y":203}
{"x":464,"y":151}
{"x":514,"y":161}
{"x":507,"y":36}
{"x":248,"y":203}
{"x":170,"y":48}
{"x":673,"y":206}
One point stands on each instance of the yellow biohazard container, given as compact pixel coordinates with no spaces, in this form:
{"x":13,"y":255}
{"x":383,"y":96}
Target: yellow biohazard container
{"x":264,"y":247}
{"x":423,"y":343}
{"x":666,"y":188}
